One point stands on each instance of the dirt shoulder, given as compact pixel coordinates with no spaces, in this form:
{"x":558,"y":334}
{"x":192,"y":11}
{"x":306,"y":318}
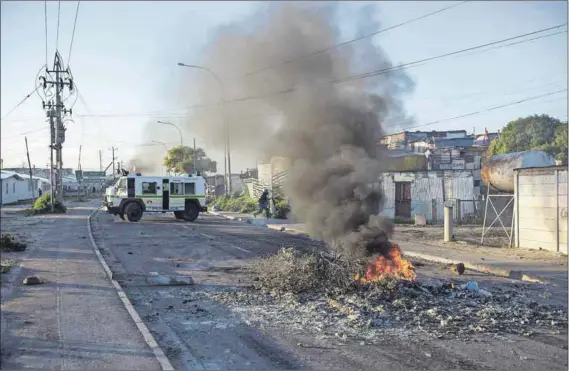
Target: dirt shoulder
{"x":468,"y":239}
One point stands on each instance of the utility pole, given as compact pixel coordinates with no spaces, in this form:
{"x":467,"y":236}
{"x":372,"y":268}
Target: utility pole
{"x":227,"y":159}
{"x":80,"y":180}
{"x":100,"y":161}
{"x":195,"y":169}
{"x":30,"y":168}
{"x":51,"y":172}
{"x":56,"y":112}
{"x":113,"y":149}
{"x":79,"y":162}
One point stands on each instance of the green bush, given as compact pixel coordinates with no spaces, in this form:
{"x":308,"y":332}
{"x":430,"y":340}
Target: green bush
{"x":42,"y":205}
{"x":247,"y":205}
{"x":242,"y":204}
{"x":250,"y":205}
{"x":282,"y":208}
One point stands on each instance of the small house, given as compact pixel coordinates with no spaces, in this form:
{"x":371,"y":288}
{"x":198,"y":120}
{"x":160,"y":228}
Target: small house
{"x":412,"y":193}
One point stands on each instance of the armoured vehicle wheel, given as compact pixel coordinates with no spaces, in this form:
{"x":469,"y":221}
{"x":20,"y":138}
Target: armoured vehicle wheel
{"x":133,"y":212}
{"x":191,"y":213}
{"x":179,"y":214}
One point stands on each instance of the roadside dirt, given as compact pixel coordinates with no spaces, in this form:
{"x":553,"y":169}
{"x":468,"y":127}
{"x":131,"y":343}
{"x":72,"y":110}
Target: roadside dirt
{"x":468,"y":239}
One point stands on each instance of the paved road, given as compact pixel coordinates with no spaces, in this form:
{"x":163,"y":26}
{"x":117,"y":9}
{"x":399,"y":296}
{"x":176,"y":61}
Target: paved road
{"x":200,"y":334}
{"x":75,"y":320}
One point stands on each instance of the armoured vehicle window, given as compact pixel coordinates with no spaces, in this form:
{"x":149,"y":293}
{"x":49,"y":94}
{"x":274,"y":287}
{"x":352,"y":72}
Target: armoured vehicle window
{"x":122,"y":184}
{"x":190,"y":188}
{"x":149,"y":188}
{"x":176,"y":189}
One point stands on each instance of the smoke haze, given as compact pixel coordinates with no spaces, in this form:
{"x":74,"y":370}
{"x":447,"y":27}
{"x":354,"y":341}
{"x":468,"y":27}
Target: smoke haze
{"x":331,"y":131}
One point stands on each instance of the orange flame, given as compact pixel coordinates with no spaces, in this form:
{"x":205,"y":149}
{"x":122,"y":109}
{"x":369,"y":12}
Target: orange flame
{"x":393,"y":266}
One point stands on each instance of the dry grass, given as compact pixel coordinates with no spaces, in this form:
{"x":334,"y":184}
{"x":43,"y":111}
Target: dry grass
{"x":291,"y":271}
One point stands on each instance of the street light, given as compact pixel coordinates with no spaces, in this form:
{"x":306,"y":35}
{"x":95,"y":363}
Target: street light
{"x":225,"y":127}
{"x":179,"y":131}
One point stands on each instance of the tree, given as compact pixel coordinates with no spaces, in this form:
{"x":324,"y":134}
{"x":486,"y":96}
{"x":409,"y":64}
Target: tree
{"x":181,"y":160}
{"x":537,"y":132}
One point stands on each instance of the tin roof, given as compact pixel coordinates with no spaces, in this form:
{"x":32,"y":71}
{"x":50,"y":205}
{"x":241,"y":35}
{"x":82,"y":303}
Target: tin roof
{"x":9,"y":174}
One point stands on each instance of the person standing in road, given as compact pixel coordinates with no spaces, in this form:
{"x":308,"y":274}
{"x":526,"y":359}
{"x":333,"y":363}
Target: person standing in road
{"x":263,"y":203}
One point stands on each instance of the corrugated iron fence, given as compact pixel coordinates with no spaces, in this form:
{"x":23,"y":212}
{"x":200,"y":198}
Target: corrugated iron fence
{"x":256,"y":187}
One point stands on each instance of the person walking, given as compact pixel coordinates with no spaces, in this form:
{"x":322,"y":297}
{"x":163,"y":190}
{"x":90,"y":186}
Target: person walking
{"x":263,"y":203}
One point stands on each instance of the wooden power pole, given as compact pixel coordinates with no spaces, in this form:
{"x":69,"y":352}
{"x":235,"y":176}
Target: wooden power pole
{"x":30,"y":168}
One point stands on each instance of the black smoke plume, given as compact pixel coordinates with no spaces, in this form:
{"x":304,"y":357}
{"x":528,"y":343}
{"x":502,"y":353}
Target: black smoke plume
{"x":295,"y":109}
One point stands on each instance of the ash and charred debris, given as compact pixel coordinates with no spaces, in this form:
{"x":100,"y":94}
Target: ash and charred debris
{"x":438,"y":309}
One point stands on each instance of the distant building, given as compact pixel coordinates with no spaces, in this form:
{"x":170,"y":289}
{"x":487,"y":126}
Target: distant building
{"x":411,"y":193}
{"x":484,"y":140}
{"x":405,"y":139}
{"x":16,"y":187}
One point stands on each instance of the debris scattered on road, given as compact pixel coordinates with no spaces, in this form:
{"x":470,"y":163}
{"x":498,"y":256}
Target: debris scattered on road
{"x":32,"y":280}
{"x":435,"y":309}
{"x":471,"y":286}
{"x":320,"y":294}
{"x":457,"y":268}
{"x":9,"y":244}
{"x":155,"y":278}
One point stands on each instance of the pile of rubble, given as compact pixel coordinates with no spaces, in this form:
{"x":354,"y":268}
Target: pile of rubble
{"x":9,"y":244}
{"x":437,"y":308}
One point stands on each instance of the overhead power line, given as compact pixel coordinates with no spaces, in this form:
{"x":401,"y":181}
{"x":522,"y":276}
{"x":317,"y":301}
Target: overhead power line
{"x":27,"y":132}
{"x":45,"y":16}
{"x":73,"y":33}
{"x":182,"y":113}
{"x":489,"y":46}
{"x":58,"y":14}
{"x":354,"y":40}
{"x":519,"y":42}
{"x":389,"y":69}
{"x":19,"y":104}
{"x":488,"y":109}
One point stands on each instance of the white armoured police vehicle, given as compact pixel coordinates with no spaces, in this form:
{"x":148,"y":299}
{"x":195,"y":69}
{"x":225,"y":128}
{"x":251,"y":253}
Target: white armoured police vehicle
{"x":134,"y":194}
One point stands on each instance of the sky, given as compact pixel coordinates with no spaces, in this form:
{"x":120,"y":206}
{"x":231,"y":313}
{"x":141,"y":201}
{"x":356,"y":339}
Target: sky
{"x":124,"y":63}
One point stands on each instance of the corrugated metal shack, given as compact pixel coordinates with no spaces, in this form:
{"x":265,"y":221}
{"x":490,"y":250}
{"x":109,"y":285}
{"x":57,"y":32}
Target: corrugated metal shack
{"x":412,"y":193}
{"x":541,"y":208}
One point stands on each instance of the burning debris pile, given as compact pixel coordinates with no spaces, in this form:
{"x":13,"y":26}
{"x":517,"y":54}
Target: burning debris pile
{"x":363,"y":300}
{"x":366,"y":309}
{"x":292,"y":271}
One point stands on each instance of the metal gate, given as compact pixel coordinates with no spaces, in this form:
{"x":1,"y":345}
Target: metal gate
{"x":403,"y":199}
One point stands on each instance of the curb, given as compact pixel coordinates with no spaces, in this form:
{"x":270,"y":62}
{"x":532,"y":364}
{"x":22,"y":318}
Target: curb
{"x":148,"y":338}
{"x":517,"y":275}
{"x":225,"y":216}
